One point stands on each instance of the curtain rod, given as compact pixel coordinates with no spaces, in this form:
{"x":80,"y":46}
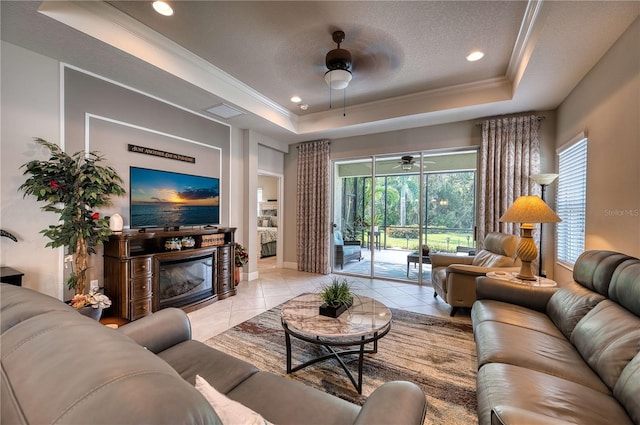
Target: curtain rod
{"x":479,"y":124}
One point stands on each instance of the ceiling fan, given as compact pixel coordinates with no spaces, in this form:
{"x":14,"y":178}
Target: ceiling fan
{"x":407,"y":162}
{"x":338,"y":62}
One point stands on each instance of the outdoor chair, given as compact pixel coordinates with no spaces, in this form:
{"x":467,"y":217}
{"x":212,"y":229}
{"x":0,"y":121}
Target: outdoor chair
{"x":345,"y":250}
{"x":454,"y":276}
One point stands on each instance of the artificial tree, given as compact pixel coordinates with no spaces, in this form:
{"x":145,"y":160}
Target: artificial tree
{"x":73,"y":186}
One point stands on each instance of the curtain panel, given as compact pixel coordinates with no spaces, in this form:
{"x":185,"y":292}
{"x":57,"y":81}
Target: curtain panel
{"x":509,"y":154}
{"x":312,"y":209}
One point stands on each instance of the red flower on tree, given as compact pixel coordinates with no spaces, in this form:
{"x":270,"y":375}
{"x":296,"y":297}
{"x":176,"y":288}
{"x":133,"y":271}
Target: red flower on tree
{"x":53,"y":184}
{"x":95,"y":216}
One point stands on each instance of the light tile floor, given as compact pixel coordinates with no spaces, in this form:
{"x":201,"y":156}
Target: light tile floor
{"x":276,"y":286}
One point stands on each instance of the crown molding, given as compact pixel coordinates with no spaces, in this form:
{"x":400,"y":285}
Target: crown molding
{"x":107,"y":24}
{"x":436,"y":100}
{"x":525,"y":42}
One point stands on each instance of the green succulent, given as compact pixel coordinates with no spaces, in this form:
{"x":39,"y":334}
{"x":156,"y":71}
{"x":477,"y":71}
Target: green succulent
{"x":337,"y":293}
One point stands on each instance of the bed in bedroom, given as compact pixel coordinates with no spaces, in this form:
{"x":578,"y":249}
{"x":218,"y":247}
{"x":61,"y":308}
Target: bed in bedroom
{"x":267,"y":233}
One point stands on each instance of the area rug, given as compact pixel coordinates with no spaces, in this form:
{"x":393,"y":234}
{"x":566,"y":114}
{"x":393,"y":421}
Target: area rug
{"x":437,"y":354}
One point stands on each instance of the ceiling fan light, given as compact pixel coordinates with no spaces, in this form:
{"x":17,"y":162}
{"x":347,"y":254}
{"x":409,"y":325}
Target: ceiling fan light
{"x":338,"y":79}
{"x":407,"y":167}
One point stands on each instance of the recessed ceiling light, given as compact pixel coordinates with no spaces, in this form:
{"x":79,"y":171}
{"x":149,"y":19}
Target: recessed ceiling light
{"x":474,"y":56}
{"x":163,"y":8}
{"x":296,"y":99}
{"x":304,"y":106}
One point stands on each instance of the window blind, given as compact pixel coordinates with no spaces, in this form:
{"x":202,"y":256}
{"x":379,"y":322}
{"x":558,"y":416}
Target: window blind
{"x":571,"y":202}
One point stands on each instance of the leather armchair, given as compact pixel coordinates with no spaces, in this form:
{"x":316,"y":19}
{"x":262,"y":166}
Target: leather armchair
{"x":345,"y":250}
{"x":454,"y":277}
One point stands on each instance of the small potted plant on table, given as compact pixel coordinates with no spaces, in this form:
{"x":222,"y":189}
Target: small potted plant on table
{"x":337,"y":298}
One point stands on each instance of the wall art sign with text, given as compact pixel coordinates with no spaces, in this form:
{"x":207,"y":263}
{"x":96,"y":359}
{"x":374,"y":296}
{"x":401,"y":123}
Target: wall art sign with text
{"x":162,"y":154}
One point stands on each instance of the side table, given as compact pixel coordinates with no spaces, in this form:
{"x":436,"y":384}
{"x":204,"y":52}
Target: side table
{"x":511,"y":277}
{"x":11,"y":276}
{"x":414,"y":257}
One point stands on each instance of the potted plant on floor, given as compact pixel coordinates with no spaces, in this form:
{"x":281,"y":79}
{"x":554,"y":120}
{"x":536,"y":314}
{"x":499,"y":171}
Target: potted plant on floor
{"x":91,"y":304}
{"x":241,"y":258}
{"x":337,"y":298}
{"x":73,"y":186}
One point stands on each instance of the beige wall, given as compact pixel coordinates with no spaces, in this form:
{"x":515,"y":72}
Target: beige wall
{"x":606,"y":106}
{"x":30,"y":108}
{"x":269,"y":187}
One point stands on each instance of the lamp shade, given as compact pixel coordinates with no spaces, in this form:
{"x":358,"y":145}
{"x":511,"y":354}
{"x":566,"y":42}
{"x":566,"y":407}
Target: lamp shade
{"x":544,"y":178}
{"x":530,"y":209}
{"x":338,"y":79}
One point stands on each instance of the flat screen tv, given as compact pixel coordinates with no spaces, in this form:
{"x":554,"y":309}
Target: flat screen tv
{"x":167,"y":199}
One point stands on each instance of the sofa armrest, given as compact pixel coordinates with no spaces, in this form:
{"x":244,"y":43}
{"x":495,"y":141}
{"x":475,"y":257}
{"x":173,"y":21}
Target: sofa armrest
{"x":533,"y":297}
{"x":395,"y":402}
{"x":444,"y":260}
{"x":160,"y":330}
{"x":477,"y":270}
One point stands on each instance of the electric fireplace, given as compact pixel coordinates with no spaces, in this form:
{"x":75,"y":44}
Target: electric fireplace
{"x":185,"y":281}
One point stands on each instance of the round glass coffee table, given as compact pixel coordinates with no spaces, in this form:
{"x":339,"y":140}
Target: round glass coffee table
{"x":366,"y":321}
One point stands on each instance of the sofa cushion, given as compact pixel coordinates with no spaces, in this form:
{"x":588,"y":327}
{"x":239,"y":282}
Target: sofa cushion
{"x":191,"y":358}
{"x":625,"y":285}
{"x":350,"y":250}
{"x":628,"y":387}
{"x":608,"y":337}
{"x":231,"y":412}
{"x":286,"y":402}
{"x":489,"y":259}
{"x":503,"y":343}
{"x":529,"y":390}
{"x":570,"y":304}
{"x":512,"y":314}
{"x":594,"y":269}
{"x":499,"y":250}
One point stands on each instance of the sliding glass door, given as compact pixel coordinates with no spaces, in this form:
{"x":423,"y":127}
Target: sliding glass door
{"x":390,"y":210}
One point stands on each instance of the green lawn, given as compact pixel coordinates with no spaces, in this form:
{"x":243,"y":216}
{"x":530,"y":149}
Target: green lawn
{"x":441,"y":242}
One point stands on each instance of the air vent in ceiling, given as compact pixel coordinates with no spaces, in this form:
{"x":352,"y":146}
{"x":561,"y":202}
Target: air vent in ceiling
{"x":224,"y":111}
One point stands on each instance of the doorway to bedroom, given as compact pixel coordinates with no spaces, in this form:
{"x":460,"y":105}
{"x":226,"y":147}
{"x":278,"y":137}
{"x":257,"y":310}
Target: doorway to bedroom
{"x":269,"y":192}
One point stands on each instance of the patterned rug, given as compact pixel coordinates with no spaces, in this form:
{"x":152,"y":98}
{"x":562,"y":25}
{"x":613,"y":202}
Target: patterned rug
{"x":437,"y":354}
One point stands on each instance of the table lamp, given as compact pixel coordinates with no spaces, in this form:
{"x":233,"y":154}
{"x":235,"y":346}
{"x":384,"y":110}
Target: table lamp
{"x":528,"y":210}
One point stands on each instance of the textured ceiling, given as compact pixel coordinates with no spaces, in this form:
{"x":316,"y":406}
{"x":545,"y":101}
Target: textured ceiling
{"x":409,"y":56}
{"x":398,"y":48}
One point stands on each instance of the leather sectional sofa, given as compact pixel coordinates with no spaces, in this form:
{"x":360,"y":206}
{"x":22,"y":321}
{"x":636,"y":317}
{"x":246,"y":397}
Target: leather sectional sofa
{"x":559,"y":356}
{"x":61,"y":367}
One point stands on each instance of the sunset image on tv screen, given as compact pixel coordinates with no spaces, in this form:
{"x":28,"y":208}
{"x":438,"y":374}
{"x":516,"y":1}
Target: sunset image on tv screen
{"x":163,"y":198}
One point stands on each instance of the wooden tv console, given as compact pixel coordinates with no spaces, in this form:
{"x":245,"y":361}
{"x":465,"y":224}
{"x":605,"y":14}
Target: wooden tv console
{"x":132,"y":260}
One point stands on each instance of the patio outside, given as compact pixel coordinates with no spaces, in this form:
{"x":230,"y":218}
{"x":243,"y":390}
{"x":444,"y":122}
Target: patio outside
{"x":392,"y":263}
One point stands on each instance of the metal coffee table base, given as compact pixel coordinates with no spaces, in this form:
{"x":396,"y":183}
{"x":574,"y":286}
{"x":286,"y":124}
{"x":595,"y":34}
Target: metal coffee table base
{"x":361,"y":342}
